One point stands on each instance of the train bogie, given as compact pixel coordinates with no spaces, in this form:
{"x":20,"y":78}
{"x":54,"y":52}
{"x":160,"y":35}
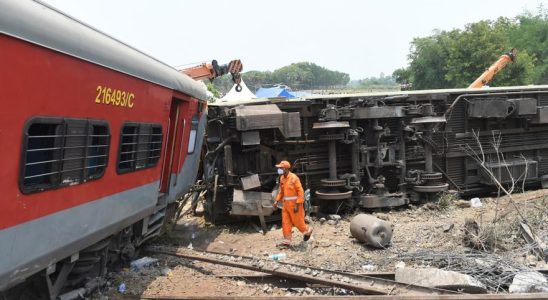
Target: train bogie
{"x":377,"y":150}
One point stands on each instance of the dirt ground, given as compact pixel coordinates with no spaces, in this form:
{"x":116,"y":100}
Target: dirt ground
{"x":436,"y":226}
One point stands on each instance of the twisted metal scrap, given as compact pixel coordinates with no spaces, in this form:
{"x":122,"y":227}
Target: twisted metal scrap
{"x":494,"y":271}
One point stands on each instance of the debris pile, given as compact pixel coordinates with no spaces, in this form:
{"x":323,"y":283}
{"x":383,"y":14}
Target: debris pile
{"x":495,"y":272}
{"x":433,"y":277}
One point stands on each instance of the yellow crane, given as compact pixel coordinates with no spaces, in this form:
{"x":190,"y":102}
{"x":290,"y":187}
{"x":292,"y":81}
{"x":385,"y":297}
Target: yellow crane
{"x":500,"y":64}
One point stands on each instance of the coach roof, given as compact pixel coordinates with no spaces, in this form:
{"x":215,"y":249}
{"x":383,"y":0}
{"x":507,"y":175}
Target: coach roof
{"x":43,"y":25}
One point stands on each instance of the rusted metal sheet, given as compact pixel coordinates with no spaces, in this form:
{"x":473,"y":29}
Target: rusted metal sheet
{"x":378,"y":112}
{"x":255,"y":117}
{"x":251,"y":182}
{"x":244,"y":203}
{"x":252,"y":117}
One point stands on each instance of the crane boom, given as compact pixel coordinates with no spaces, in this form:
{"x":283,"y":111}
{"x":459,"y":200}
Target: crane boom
{"x":500,"y":64}
{"x":213,"y":70}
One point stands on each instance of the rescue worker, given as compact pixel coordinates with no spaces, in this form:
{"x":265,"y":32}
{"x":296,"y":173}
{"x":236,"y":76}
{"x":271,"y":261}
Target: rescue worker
{"x":292,"y":194}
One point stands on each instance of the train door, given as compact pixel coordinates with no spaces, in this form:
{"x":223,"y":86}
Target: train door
{"x":173,"y":154}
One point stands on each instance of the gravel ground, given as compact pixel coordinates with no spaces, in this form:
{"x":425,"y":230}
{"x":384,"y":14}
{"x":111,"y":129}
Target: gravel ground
{"x":431,"y":226}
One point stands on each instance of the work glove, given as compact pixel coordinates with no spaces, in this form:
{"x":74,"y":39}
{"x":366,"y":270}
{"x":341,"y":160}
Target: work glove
{"x":296,"y":209}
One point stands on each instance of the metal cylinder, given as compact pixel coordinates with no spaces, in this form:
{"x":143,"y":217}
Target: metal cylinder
{"x":428,"y":158}
{"x":428,"y":150}
{"x":355,"y":153}
{"x":332,"y":160}
{"x":229,"y":164}
{"x":403,"y":166}
{"x":370,"y":230}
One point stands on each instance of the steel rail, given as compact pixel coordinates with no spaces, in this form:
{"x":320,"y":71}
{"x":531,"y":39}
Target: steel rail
{"x":290,"y":275}
{"x":383,"y":277}
{"x":358,"y":283}
{"x":542,"y":296}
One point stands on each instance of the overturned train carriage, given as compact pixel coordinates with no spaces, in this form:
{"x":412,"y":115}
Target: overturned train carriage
{"x":375,"y":150}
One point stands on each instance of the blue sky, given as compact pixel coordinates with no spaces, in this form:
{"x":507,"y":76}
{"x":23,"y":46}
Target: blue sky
{"x":362,"y":38}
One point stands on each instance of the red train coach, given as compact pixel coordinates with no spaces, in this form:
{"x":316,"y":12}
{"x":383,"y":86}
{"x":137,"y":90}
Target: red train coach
{"x":98,"y":139}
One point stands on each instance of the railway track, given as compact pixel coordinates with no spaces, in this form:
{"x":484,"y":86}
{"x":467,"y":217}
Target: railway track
{"x":377,"y":297}
{"x":360,"y":284}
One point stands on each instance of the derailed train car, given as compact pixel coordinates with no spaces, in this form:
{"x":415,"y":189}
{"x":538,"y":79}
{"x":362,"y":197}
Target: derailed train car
{"x":375,"y":150}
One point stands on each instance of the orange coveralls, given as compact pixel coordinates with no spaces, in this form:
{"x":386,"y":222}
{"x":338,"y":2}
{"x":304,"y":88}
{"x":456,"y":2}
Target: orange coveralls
{"x":291,"y":192}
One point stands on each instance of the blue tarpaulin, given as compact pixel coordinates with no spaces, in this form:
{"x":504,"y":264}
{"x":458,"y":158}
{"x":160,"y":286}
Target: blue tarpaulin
{"x":273,"y":92}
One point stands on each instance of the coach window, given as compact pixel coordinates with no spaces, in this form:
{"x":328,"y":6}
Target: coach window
{"x":62,"y":152}
{"x":140,"y":146}
{"x":193,"y":135}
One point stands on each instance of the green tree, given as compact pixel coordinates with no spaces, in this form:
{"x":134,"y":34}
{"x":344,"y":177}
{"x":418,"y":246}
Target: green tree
{"x":454,"y":59}
{"x":531,"y":35}
{"x":298,"y":76}
{"x":211,"y":88}
{"x":223,"y":84}
{"x":402,"y":76}
{"x":254,"y":79}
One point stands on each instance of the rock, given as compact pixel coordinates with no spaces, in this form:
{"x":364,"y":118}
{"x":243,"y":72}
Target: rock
{"x":315,"y":273}
{"x":240,"y":283}
{"x":531,"y":260}
{"x":430,"y":206}
{"x":256,"y":227}
{"x":274,"y":227}
{"x":308,"y":291}
{"x":382,"y":216}
{"x":334,"y":217}
{"x":529,"y":282}
{"x":369,"y":268}
{"x":448,"y":227}
{"x":307,"y":271}
{"x":400,"y":265}
{"x":322,"y":220}
{"x":475,"y":202}
{"x":332,"y":222}
{"x":166,"y":271}
{"x":462,"y":203}
{"x":432,"y":277}
{"x":143,"y":262}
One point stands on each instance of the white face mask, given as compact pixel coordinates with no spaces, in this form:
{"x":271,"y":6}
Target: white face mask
{"x":280,"y":171}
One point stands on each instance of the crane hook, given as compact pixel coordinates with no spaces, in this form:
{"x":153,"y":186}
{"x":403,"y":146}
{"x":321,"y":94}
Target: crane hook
{"x":237,"y":79}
